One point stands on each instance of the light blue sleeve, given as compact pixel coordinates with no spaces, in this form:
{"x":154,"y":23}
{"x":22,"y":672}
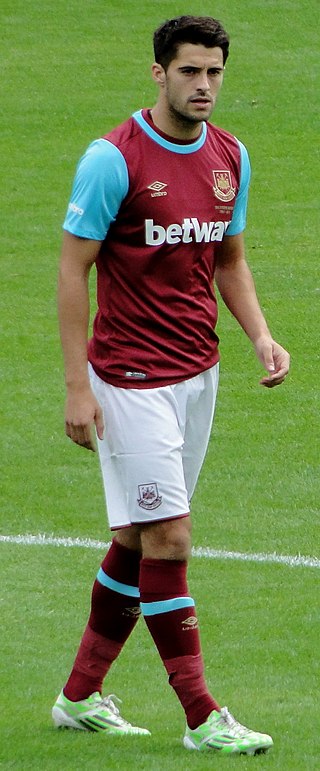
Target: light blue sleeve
{"x":100,"y":185}
{"x":238,"y":222}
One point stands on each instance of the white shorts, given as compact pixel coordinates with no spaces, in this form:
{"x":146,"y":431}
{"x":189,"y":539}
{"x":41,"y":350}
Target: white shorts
{"x":154,"y":445}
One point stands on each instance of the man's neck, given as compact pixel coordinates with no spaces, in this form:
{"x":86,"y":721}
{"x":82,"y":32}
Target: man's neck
{"x":177,"y":129}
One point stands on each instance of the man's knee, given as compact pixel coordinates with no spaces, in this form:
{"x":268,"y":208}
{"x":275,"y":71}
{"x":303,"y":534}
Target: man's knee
{"x":129,"y":537}
{"x":167,"y":540}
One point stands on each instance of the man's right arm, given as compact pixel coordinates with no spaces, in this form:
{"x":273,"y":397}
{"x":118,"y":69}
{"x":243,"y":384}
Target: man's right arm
{"x":82,"y":410}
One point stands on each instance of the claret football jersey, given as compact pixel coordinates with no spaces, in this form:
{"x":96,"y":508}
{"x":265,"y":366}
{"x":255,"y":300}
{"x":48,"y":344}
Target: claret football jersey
{"x":159,"y":208}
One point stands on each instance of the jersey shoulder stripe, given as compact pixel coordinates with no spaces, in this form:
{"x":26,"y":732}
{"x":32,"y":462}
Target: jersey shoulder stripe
{"x":239,"y":215}
{"x":101,"y":183}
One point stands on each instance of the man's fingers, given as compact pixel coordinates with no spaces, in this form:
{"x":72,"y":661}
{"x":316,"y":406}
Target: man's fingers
{"x":99,"y":423}
{"x":83,"y":415}
{"x":81,"y":435}
{"x":274,"y":378}
{"x":276,"y":361}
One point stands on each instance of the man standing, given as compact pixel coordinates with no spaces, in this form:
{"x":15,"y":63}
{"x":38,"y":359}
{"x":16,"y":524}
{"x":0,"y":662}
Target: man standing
{"x":159,"y":206}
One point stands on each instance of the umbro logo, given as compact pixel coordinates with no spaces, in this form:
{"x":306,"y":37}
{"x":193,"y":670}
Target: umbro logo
{"x":132,"y":612}
{"x":157,"y":188}
{"x":76,"y":209}
{"x":189,"y":623}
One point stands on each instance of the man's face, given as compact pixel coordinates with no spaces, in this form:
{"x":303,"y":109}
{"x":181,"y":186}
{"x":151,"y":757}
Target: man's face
{"x":192,"y":82}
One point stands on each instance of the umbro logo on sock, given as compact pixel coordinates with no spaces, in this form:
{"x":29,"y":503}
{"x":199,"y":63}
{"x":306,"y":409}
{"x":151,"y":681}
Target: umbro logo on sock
{"x":189,"y":623}
{"x":132,"y":612}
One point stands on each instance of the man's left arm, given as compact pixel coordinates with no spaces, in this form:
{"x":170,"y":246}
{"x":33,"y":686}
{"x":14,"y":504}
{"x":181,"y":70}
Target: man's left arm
{"x":236,"y":286}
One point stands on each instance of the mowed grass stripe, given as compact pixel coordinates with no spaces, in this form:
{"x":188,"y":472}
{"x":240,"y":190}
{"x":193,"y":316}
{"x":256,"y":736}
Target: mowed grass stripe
{"x":298,"y":560}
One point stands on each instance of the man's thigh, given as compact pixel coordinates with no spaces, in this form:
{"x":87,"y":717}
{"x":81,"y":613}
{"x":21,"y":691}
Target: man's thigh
{"x":198,"y":424}
{"x":141,"y":454}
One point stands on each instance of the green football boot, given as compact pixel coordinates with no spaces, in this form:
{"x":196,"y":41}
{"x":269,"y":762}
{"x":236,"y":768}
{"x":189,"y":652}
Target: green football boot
{"x":222,"y":733}
{"x":93,"y":714}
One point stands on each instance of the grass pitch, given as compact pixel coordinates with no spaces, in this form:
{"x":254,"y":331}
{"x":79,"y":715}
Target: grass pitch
{"x":70,"y":73}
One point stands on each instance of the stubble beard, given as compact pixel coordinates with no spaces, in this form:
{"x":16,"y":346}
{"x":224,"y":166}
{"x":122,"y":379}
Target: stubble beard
{"x":185,"y":119}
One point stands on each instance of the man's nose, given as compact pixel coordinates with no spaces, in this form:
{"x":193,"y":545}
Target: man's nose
{"x":203,"y":82}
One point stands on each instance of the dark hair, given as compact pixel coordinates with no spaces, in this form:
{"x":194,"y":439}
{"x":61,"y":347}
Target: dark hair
{"x":188,"y":29}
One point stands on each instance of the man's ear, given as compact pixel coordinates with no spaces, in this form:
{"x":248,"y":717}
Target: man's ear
{"x":158,"y":74}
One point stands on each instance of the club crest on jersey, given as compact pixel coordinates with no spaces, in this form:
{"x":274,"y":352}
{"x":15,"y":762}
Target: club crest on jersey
{"x":149,"y":496}
{"x":222,"y":187}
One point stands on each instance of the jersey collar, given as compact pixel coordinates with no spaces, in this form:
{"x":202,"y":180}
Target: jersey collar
{"x":173,"y":147}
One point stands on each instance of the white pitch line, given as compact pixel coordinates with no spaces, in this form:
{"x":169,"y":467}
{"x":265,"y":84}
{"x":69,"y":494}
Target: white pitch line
{"x":205,"y":553}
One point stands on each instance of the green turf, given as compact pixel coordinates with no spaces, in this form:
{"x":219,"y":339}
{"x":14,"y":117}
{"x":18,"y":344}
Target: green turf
{"x":69,"y":73}
{"x":259,"y":652}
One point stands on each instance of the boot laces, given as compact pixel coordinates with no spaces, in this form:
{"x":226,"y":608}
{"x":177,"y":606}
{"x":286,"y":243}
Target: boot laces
{"x":108,"y":701}
{"x":227,"y":719}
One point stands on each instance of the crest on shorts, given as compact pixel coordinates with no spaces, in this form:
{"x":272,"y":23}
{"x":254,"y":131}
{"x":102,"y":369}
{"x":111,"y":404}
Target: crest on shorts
{"x":222,"y":187}
{"x":149,"y":496}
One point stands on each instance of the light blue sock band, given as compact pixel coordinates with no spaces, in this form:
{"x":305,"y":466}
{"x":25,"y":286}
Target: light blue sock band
{"x":116,"y":586}
{"x":165,"y":606}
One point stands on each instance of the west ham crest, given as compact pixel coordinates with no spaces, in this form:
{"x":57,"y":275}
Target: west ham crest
{"x":149,"y":496}
{"x":222,"y":187}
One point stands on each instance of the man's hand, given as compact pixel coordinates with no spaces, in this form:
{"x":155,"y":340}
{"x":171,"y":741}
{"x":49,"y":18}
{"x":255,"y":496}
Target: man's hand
{"x":82,"y":413}
{"x":275,"y":359}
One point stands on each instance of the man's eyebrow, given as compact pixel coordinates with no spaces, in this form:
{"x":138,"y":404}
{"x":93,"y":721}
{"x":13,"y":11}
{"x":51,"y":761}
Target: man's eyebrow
{"x":194,"y":67}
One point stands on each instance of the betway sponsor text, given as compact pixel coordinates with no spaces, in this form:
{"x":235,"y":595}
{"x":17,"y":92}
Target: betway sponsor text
{"x":189,"y":230}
